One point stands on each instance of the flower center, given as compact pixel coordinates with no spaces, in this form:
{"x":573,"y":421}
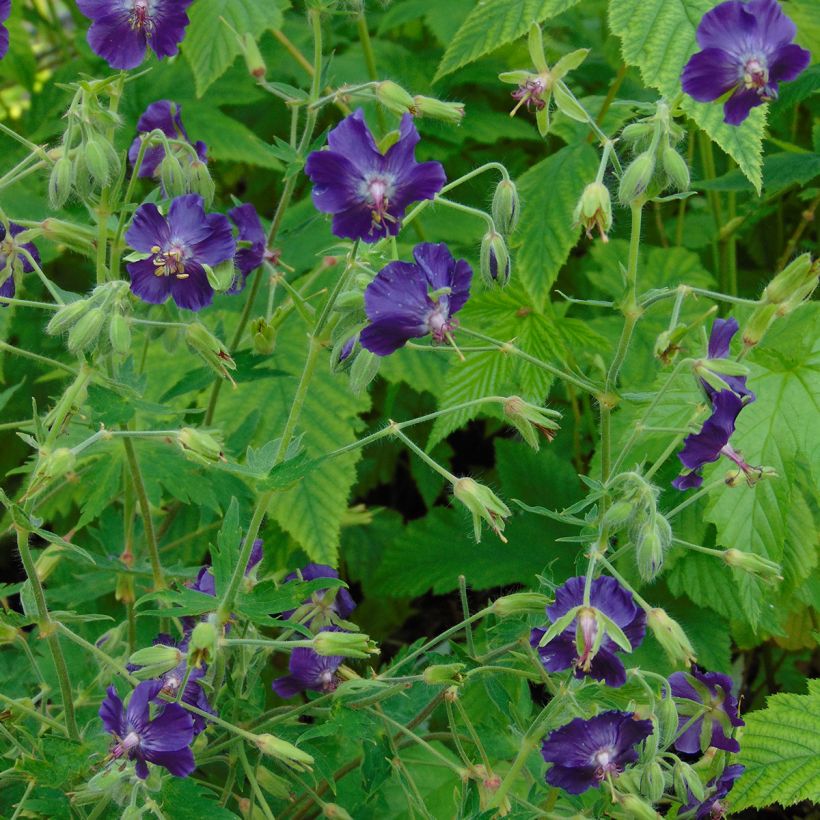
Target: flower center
{"x":589,"y":631}
{"x":170,"y":262}
{"x":530,"y":93}
{"x":328,"y":680}
{"x":378,"y":190}
{"x":140,"y":18}
{"x":756,"y":76}
{"x":604,"y":762}
{"x":439,"y":323}
{"x":131,"y":740}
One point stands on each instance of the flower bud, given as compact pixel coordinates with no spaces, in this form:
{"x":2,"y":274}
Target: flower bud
{"x":794,"y":283}
{"x":482,"y":503}
{"x":289,"y":754}
{"x":119,"y":334}
{"x":159,"y":658}
{"x":594,"y":210}
{"x":438,"y":109}
{"x":52,"y":465}
{"x":767,"y":571}
{"x":758,"y":323}
{"x":200,"y":181}
{"x":215,"y":354}
{"x":636,"y":178}
{"x":636,"y":809}
{"x":60,"y":183}
{"x":124,"y":588}
{"x":521,"y":603}
{"x":200,"y":446}
{"x":85,"y":332}
{"x":506,"y":206}
{"x":171,"y":175}
{"x":446,"y":673}
{"x":686,"y":782}
{"x":66,"y":316}
{"x":638,"y":134}
{"x":394,"y":98}
{"x":675,"y":167}
{"x":346,"y":644}
{"x":652,"y":782}
{"x":263,"y":336}
{"x":649,"y":551}
{"x":671,"y":637}
{"x":530,"y":420}
{"x":494,"y":259}
{"x":364,"y":369}
{"x":8,"y":634}
{"x":667,"y":715}
{"x":202,"y":645}
{"x":97,"y":159}
{"x":47,"y":561}
{"x":618,"y":514}
{"x":221,"y":276}
{"x":274,"y":785}
{"x":253,"y":57}
{"x":335,"y":811}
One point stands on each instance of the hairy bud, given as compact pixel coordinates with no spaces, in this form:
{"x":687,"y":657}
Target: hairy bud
{"x":494,"y":259}
{"x":394,"y":98}
{"x":67,"y":316}
{"x":119,"y":333}
{"x":346,"y":644}
{"x":506,"y":206}
{"x":768,"y":571}
{"x":675,"y":167}
{"x":448,"y":674}
{"x":83,"y":336}
{"x":671,"y":637}
{"x":530,"y":420}
{"x":482,"y":503}
{"x":212,"y":351}
{"x":60,"y":182}
{"x":636,"y":179}
{"x":289,"y":754}
{"x":521,"y":603}
{"x":594,"y":210}
{"x":159,"y":659}
{"x":263,"y":335}
{"x":452,"y":112}
{"x":200,"y":446}
{"x":794,"y":283}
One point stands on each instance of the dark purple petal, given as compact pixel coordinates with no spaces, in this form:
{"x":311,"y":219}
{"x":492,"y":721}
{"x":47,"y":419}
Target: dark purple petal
{"x":179,"y":762}
{"x":421,"y":181}
{"x":384,"y":338}
{"x":729,"y":26}
{"x":738,"y":106}
{"x":689,"y":741}
{"x":250,"y":230}
{"x":343,"y":603}
{"x":704,"y":447}
{"x":398,"y":296}
{"x":7,"y":287}
{"x":352,"y":139}
{"x":335,"y":182}
{"x":709,"y":74}
{"x":148,"y":228}
{"x":171,"y":729}
{"x":257,"y":553}
{"x":687,"y":481}
{"x":205,"y":582}
{"x":572,"y":780}
{"x":787,"y":62}
{"x":774,"y":27}
{"x":358,"y":223}
{"x":186,"y":220}
{"x":287,"y":686}
{"x":5,"y":10}
{"x":559,"y":654}
{"x":170,"y":21}
{"x":112,"y":38}
{"x":162,"y":115}
{"x":4,"y":39}
{"x":723,"y":330}
{"x":193,"y":293}
{"x":137,"y":713}
{"x":606,"y":666}
{"x":309,"y":671}
{"x":146,"y":284}
{"x":111,"y":713}
{"x":141,"y":769}
{"x":219,"y":245}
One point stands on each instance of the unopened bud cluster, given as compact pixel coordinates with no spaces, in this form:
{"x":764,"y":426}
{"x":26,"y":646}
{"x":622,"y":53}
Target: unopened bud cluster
{"x":394,"y":98}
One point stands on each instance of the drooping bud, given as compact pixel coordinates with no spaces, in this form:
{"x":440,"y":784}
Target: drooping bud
{"x":506,"y":206}
{"x":652,"y":782}
{"x":521,"y":603}
{"x":263,"y":335}
{"x":394,"y":98}
{"x":60,"y":182}
{"x":594,"y":210}
{"x":636,"y":809}
{"x":158,"y":659}
{"x":667,"y":714}
{"x":530,"y":420}
{"x":52,"y":465}
{"x":653,"y":539}
{"x":214,"y":353}
{"x":253,"y":57}
{"x":346,"y":644}
{"x":448,"y":674}
{"x":202,"y":646}
{"x":794,"y":283}
{"x":768,"y":571}
{"x":86,"y":331}
{"x":671,"y":637}
{"x":97,"y":159}
{"x":273,"y":784}
{"x":638,"y":134}
{"x":47,"y":561}
{"x":675,"y":167}
{"x":364,"y":369}
{"x":619,"y":514}
{"x":119,"y":333}
{"x":686,"y":782}
{"x":67,"y":316}
{"x":172,"y":176}
{"x":482,"y":503}
{"x":221,"y":276}
{"x":494,"y":259}
{"x":200,"y":446}
{"x":636,"y":178}
{"x":200,"y":181}
{"x":758,"y":323}
{"x":452,"y":112}
{"x":289,"y":754}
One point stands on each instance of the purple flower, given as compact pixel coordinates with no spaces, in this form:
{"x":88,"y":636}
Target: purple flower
{"x":407,"y":301}
{"x":723,"y":330}
{"x":249,"y":258}
{"x":365,"y":190}
{"x":309,"y":671}
{"x":177,"y":249}
{"x":324,"y":603}
{"x":205,"y":581}
{"x":610,"y":598}
{"x":713,"y":807}
{"x":747,"y":51}
{"x":5,"y":11}
{"x":714,"y":691}
{"x":584,"y":752}
{"x":122,"y":29}
{"x":165,"y":116}
{"x":163,"y":740}
{"x":10,"y":258}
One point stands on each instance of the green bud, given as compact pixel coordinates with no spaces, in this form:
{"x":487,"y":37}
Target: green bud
{"x":364,"y":369}
{"x":794,"y":283}
{"x":594,"y":210}
{"x":635,"y":808}
{"x":638,"y":134}
{"x":253,"y":57}
{"x":671,"y":637}
{"x":289,"y":754}
{"x":97,"y":159}
{"x":350,"y":300}
{"x":66,"y":316}
{"x":200,"y":181}
{"x":482,"y":503}
{"x":686,"y":781}
{"x":568,"y":105}
{"x":494,"y":259}
{"x":649,"y":551}
{"x":52,"y":465}
{"x":618,"y":514}
{"x":172,"y":176}
{"x":81,"y":176}
{"x":85,"y":332}
{"x":263,"y":336}
{"x":346,"y":644}
{"x":652,"y":782}
{"x":119,"y":333}
{"x":335,"y":812}
{"x":530,"y":420}
{"x":202,"y":646}
{"x":221,"y":276}
{"x":200,"y":446}
{"x":675,"y":167}
{"x":767,"y":571}
{"x":274,"y":785}
{"x":758,"y":323}
{"x":8,"y":634}
{"x":446,"y":673}
{"x":438,"y":109}
{"x":506,"y":206}
{"x":636,"y":179}
{"x":394,"y":98}
{"x":212,"y":351}
{"x":161,"y":658}
{"x":521,"y":603}
{"x":667,"y":714}
{"x":124,"y":588}
{"x":48,"y":560}
{"x":60,"y":183}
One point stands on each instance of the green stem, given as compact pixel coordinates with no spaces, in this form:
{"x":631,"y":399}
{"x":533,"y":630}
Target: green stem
{"x":19,"y":706}
{"x":457,"y":206}
{"x":55,"y":294}
{"x":36,"y":357}
{"x":98,"y":653}
{"x":465,"y":608}
{"x":249,"y":773}
{"x":22,"y":804}
{"x":49,"y":628}
{"x":695,"y":496}
{"x":430,"y":462}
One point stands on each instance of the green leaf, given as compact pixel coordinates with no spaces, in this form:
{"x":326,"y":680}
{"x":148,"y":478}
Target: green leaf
{"x":210,"y":45}
{"x":780,"y":171}
{"x":549,"y":192}
{"x":228,"y":546}
{"x":781,"y":752}
{"x":658,"y":36}
{"x":494,"y":23}
{"x":183,"y":799}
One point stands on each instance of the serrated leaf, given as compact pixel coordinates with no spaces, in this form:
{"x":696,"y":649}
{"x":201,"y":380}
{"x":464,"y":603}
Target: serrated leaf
{"x":211,"y":47}
{"x":228,"y":546}
{"x":493,"y":23}
{"x":549,"y":193}
{"x":658,"y":36}
{"x":781,"y":752}
{"x":183,"y":799}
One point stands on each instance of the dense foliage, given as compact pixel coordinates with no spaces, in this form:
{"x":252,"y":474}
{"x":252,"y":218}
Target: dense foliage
{"x":371,"y":452}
